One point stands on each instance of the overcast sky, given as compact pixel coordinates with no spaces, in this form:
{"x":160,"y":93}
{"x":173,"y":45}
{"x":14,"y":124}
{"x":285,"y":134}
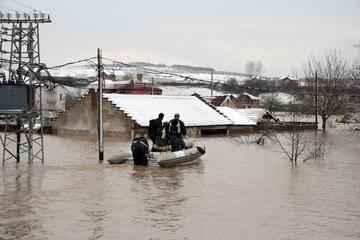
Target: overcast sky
{"x":220,"y":34}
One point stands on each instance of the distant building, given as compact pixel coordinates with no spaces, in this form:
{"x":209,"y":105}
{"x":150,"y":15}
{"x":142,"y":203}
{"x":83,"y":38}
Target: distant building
{"x":221,"y":101}
{"x":138,"y":88}
{"x":258,"y":115}
{"x":288,"y":82}
{"x":130,"y":87}
{"x":246,"y":100}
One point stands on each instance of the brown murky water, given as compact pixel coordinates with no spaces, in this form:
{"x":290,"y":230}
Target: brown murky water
{"x":235,"y":192}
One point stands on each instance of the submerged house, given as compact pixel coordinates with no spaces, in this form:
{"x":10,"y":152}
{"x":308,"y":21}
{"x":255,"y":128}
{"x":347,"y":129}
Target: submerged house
{"x":125,"y":115}
{"x":258,"y":115}
{"x":241,"y":123}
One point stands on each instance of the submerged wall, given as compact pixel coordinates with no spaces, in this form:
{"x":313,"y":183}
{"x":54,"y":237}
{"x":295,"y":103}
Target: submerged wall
{"x":81,"y":119}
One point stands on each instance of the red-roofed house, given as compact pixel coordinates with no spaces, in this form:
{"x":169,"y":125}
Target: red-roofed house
{"x":288,"y":82}
{"x":223,"y":101}
{"x":139,"y":88}
{"x":245,"y":100}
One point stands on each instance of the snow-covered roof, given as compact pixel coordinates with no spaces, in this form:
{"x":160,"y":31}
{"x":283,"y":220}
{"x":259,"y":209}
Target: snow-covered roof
{"x":250,"y":96}
{"x":236,"y":117}
{"x":142,"y":108}
{"x":288,"y":77}
{"x":253,"y":114}
{"x":108,"y":84}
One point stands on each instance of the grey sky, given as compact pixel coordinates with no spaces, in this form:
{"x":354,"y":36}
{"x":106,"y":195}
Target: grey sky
{"x":220,"y":34}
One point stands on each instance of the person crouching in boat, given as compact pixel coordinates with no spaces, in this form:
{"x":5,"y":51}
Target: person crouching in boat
{"x":162,"y":140}
{"x":176,"y":131}
{"x":140,"y":150}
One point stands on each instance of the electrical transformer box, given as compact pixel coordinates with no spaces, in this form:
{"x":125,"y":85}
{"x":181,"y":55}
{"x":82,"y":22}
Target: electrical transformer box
{"x":14,"y":98}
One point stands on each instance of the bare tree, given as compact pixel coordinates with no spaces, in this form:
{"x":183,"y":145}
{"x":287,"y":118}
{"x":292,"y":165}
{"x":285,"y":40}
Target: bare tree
{"x":332,"y":74}
{"x":128,"y":76}
{"x":270,"y":101}
{"x":254,"y":68}
{"x":231,"y":85}
{"x":300,"y":145}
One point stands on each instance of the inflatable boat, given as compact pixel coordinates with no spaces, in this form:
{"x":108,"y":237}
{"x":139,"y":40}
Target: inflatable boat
{"x":168,"y":159}
{"x":189,"y":154}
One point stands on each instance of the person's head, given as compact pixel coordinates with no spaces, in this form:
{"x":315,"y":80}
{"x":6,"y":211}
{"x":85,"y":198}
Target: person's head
{"x":161,"y":116}
{"x":177,"y":116}
{"x":165,"y":124}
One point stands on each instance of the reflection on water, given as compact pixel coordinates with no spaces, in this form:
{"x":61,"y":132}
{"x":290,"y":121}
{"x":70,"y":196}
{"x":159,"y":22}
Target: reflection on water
{"x":235,"y":191}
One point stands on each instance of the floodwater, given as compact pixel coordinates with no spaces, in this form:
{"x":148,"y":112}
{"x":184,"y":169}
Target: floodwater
{"x":236,"y":191}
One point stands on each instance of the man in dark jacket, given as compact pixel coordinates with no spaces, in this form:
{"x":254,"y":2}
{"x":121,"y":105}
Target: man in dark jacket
{"x":140,"y":149}
{"x":154,"y":126}
{"x":176,"y":131}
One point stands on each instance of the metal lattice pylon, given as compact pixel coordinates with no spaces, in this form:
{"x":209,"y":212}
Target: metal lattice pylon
{"x":20,"y":52}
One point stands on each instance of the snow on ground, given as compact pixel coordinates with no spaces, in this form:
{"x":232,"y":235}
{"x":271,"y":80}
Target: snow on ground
{"x":74,"y":71}
{"x":284,"y":98}
{"x":188,"y":90}
{"x":89,"y":71}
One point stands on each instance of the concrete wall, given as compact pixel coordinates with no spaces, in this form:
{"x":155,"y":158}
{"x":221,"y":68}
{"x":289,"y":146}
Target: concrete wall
{"x":81,"y":119}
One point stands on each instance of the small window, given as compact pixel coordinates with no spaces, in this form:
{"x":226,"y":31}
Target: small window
{"x":60,"y":97}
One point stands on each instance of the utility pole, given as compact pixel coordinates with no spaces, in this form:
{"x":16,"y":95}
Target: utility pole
{"x":316,"y":97}
{"x":152,"y":86}
{"x":212,"y":81}
{"x":100,"y":107}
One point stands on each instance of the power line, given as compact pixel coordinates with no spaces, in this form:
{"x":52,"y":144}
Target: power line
{"x":24,"y":5}
{"x":71,"y":63}
{"x":9,"y":9}
{"x":152,"y":71}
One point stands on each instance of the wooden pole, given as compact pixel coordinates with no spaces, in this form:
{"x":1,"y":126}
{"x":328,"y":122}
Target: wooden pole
{"x":316,"y":98}
{"x":100,"y":108}
{"x":212,"y":80}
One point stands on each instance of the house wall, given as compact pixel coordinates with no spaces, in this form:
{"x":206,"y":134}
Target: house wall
{"x":244,"y":101}
{"x":241,"y":129}
{"x":138,"y":91}
{"x":81,"y":119}
{"x":228,"y":103}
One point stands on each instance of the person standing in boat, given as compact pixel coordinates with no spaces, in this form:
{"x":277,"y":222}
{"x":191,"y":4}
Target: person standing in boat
{"x":154,"y":127}
{"x":140,"y":150}
{"x":176,"y":131}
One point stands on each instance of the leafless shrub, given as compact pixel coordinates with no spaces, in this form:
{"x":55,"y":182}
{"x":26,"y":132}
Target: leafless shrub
{"x":299,"y":145}
{"x":254,"y":68}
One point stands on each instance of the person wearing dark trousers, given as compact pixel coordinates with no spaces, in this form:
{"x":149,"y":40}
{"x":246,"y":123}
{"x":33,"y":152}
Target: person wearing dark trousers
{"x":154,"y":126}
{"x":140,"y":150}
{"x":176,"y":131}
